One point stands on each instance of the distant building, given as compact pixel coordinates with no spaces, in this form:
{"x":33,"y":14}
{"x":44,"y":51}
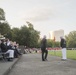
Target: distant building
{"x":55,"y":35}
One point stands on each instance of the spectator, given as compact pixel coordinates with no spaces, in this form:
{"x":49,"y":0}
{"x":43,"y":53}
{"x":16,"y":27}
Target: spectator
{"x":16,"y":50}
{"x":7,"y":49}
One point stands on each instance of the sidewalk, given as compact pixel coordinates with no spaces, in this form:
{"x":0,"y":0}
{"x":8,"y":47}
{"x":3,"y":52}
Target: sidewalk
{"x":6,"y":66}
{"x":31,"y":64}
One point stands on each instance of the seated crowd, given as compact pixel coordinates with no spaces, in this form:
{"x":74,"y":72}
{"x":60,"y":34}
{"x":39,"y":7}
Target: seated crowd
{"x":10,"y":48}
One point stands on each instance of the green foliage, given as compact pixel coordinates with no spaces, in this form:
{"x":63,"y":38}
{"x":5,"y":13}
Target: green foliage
{"x":71,"y":39}
{"x":2,"y":14}
{"x":14,"y":34}
{"x":4,"y":29}
{"x":30,"y":25}
{"x":51,"y":43}
{"x":26,"y":36}
{"x":57,"y":44}
{"x":34,"y":35}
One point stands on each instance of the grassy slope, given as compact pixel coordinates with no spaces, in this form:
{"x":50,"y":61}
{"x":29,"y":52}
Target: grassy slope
{"x":71,"y":54}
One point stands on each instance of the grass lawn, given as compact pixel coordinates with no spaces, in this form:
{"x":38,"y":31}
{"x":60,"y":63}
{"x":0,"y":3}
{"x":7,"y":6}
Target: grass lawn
{"x":71,"y":54}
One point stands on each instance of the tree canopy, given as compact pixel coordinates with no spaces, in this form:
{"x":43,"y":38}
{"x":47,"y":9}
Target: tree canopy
{"x":2,"y":14}
{"x":71,"y":39}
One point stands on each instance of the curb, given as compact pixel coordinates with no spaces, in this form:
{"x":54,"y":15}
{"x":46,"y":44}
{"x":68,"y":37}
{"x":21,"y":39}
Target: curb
{"x":10,"y":68}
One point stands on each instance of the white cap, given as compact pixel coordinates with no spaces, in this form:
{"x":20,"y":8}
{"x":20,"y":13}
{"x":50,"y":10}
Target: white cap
{"x":44,"y":36}
{"x":62,"y":37}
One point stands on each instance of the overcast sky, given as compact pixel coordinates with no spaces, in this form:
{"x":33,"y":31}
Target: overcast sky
{"x":45,"y":15}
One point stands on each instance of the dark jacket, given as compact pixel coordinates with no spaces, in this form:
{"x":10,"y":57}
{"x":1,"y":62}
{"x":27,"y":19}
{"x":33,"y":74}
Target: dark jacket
{"x":43,"y":44}
{"x":3,"y":47}
{"x":63,"y":43}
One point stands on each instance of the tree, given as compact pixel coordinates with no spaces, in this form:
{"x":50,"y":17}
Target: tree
{"x":4,"y":29}
{"x":57,"y":44}
{"x":2,"y":14}
{"x":49,"y":43}
{"x":30,"y":25}
{"x":71,"y":39}
{"x":14,"y":34}
{"x":28,"y":36}
{"x":24,"y":36}
{"x":34,"y":35}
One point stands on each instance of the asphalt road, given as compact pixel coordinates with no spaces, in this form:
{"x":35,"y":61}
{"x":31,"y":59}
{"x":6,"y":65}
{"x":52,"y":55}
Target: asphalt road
{"x":31,"y":64}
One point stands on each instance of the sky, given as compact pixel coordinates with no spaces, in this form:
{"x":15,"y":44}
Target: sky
{"x":45,"y":15}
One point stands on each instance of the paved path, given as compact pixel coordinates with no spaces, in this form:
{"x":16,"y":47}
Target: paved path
{"x":6,"y":66}
{"x":31,"y":64}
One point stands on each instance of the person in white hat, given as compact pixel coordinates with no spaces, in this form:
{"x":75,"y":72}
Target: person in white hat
{"x":63,"y":46}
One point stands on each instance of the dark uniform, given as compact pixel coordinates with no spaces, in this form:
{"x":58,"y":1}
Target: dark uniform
{"x":63,"y":46}
{"x":63,"y":43}
{"x":43,"y":49}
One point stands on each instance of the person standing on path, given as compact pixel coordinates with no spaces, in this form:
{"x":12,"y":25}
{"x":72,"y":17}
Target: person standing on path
{"x":43,"y":48}
{"x":63,"y":46}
